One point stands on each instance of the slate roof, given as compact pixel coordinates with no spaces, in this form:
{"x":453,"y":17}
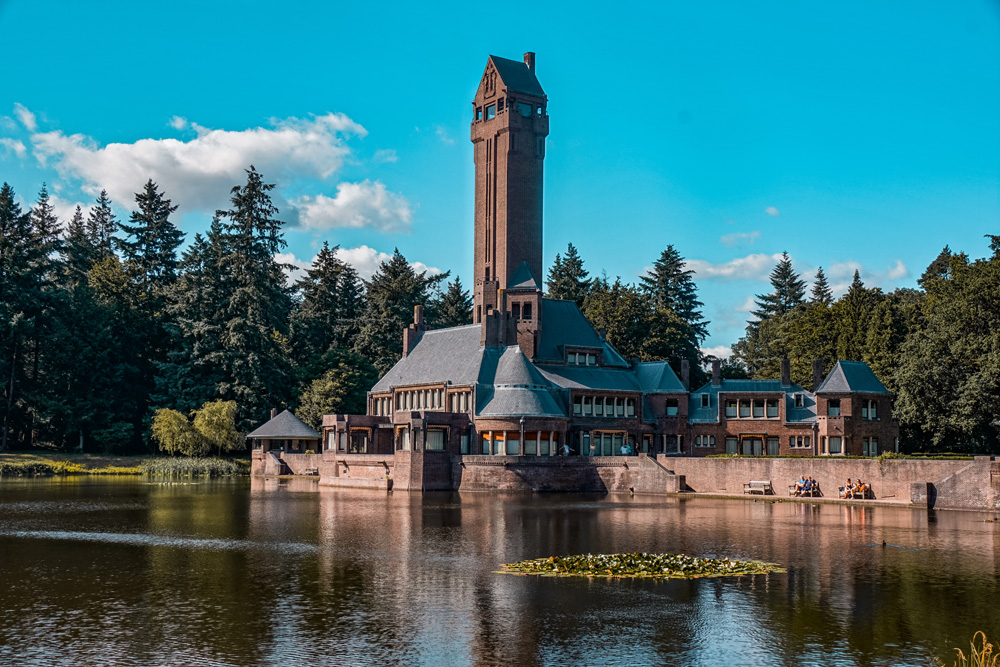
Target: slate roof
{"x":517,"y":77}
{"x":851,"y":376}
{"x":442,"y":355}
{"x":657,"y":377}
{"x":523,"y":279}
{"x":590,"y":377}
{"x":564,"y":325}
{"x":285,"y":426}
{"x":517,"y":389}
{"x":807,"y":413}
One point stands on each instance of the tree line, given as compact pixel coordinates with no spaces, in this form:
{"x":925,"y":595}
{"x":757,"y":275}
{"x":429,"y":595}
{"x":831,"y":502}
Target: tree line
{"x":105,"y":322}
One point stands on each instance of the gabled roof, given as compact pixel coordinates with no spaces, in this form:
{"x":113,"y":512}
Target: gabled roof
{"x":851,"y":377}
{"x":657,"y":377}
{"x":522,"y":278}
{"x":517,"y":77}
{"x":285,"y":426}
{"x":563,"y":325}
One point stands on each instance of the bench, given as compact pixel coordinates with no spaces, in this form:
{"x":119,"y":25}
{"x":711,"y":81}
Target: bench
{"x":814,"y":492}
{"x":863,"y":495}
{"x":311,"y":471}
{"x":764,"y":488}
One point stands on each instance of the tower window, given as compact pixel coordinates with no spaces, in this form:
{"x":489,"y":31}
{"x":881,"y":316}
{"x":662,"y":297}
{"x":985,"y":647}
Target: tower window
{"x":500,"y":104}
{"x":479,"y":113}
{"x":524,"y":109}
{"x":491,"y":112}
{"x":527,"y":311}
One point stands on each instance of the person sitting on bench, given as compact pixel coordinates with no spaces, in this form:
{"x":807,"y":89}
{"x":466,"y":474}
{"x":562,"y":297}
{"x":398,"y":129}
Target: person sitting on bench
{"x":800,"y":486}
{"x":807,"y":487}
{"x":845,"y":491}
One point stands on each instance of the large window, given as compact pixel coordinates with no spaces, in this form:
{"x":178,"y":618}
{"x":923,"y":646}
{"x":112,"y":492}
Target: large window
{"x":359,"y":441}
{"x":732,"y":446}
{"x":491,"y":112}
{"x":758,"y":409}
{"x":731,"y":407}
{"x":436,"y":438}
{"x":833,"y":407}
{"x":772,"y":409}
{"x":869,"y":447}
{"x":869,"y":409}
{"x":772,"y":446}
{"x":835,"y":444}
{"x":671,"y":407}
{"x":403,"y":439}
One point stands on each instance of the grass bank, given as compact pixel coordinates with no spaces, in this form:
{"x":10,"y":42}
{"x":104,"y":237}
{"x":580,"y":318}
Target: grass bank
{"x":30,"y":464}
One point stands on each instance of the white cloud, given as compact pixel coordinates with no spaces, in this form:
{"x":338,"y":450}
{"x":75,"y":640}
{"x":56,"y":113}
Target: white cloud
{"x":13,"y":146}
{"x":443,"y":135}
{"x":26,"y":117}
{"x":739,"y":238}
{"x":748,"y":304}
{"x":198,"y":174}
{"x":752,"y":267}
{"x":383,"y":155}
{"x":719,"y":351}
{"x":364,"y":259}
{"x":770,"y":210}
{"x":297,"y":266}
{"x":841,"y":275}
{"x":64,"y":209}
{"x":178,"y":123}
{"x":356,"y":205}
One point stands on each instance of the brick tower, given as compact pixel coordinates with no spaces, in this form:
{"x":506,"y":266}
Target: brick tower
{"x":509,"y":127}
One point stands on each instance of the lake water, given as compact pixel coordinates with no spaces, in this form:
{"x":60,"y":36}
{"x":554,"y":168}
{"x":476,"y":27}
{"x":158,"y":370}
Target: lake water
{"x":127,"y":572}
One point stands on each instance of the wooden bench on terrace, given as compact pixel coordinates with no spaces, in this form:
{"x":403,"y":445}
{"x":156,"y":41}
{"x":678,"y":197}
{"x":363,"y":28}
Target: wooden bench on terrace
{"x":862,"y":495}
{"x":311,"y":471}
{"x":764,"y":488}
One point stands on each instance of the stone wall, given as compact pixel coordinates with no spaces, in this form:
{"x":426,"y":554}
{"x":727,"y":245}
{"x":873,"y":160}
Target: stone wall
{"x":947,"y":484}
{"x":639,"y":474}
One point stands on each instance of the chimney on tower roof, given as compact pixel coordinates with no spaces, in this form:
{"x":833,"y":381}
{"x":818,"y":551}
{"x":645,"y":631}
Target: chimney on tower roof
{"x":529,"y":60}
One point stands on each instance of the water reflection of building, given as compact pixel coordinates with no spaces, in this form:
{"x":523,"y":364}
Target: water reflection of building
{"x":531,"y":377}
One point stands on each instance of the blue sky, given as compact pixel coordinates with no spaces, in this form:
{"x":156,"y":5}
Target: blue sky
{"x":854,"y":135}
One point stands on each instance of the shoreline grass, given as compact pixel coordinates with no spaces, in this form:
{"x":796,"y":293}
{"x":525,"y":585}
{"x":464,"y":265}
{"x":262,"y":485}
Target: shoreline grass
{"x":24,"y":464}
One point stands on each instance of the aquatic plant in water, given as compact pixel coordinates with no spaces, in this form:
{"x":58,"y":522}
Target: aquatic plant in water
{"x":640,"y":565}
{"x":979,"y":656}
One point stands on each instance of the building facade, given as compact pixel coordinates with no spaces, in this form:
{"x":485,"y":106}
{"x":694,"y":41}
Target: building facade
{"x":531,"y":377}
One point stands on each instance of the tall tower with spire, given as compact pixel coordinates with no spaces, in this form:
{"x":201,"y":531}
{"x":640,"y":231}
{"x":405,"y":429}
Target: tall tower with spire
{"x":509,"y":126}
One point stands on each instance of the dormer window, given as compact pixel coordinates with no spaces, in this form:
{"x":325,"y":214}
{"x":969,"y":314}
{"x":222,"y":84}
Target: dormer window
{"x":799,"y":400}
{"x":706,"y":400}
{"x":591,"y":359}
{"x":833,"y":407}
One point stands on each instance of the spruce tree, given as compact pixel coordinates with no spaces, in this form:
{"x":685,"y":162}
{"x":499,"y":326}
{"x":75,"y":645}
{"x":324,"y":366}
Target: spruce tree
{"x":567,"y":278}
{"x":851,"y":315}
{"x":454,"y":307}
{"x":150,"y":246}
{"x":101,"y":226}
{"x":78,"y":253}
{"x":393,"y":291}
{"x":821,"y":292}
{"x":671,"y":287}
{"x":788,"y":291}
{"x":255,"y":354}
{"x":332,"y":301}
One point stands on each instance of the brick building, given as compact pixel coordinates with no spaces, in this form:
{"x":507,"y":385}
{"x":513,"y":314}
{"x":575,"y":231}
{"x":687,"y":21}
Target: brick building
{"x":532,"y":377}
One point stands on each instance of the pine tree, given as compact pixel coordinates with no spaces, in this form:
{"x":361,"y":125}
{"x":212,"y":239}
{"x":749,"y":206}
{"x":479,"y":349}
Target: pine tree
{"x":623,"y":312}
{"x":101,"y":226}
{"x":454,"y":307}
{"x":671,"y":287}
{"x":789,"y":291}
{"x":255,"y":354}
{"x":567,"y":278}
{"x":821,"y":292}
{"x":851,"y":316}
{"x":393,"y":291}
{"x":150,"y":249}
